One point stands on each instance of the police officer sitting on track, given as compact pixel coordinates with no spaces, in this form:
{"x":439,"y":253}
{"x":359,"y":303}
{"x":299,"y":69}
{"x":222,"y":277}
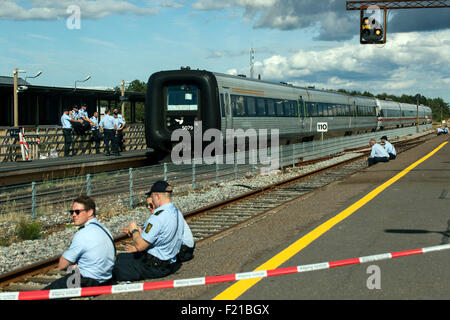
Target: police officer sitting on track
{"x":92,"y":251}
{"x":389,"y":148}
{"x":155,"y":249}
{"x":188,"y":245}
{"x":378,"y":154}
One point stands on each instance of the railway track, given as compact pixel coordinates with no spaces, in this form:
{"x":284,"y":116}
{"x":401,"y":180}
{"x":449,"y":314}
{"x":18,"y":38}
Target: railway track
{"x":217,"y":220}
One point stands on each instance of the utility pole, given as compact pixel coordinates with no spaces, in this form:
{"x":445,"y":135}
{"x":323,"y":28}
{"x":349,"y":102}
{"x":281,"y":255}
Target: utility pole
{"x":417,"y":104}
{"x":16,"y":97}
{"x":123,"y":95}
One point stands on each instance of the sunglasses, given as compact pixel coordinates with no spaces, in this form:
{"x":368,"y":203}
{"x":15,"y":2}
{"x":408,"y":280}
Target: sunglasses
{"x":150,"y":205}
{"x":77,"y":212}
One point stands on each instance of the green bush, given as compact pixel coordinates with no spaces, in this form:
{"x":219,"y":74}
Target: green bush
{"x":28,"y":230}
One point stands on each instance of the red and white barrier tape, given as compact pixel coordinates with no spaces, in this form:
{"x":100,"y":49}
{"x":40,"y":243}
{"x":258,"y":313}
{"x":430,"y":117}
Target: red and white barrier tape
{"x":138,"y":287}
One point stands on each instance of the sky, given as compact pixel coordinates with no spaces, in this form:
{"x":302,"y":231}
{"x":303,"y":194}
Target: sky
{"x":303,"y":42}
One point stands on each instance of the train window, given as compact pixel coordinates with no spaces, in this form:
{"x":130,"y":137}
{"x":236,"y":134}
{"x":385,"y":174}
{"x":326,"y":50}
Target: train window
{"x":261,"y":107}
{"x":279,"y":108}
{"x":182,"y":98}
{"x":287,"y":108}
{"x":222,"y":104}
{"x":270,"y":107}
{"x":251,"y":106}
{"x":294,"y":109}
{"x":237,"y":103}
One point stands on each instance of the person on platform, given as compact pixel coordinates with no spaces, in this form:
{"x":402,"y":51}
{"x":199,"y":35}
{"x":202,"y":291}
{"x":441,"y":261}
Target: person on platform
{"x":155,"y":247}
{"x":91,"y":255}
{"x":95,"y":131}
{"x":378,"y":153}
{"x":389,"y":148}
{"x":66,"y":122}
{"x":119,"y":124}
{"x":107,"y":126}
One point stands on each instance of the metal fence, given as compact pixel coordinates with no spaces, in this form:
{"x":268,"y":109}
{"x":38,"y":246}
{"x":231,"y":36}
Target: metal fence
{"x":129,"y":186}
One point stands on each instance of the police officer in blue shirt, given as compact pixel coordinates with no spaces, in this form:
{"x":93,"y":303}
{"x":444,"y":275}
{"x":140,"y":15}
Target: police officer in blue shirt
{"x":107,"y":125}
{"x":92,"y":252}
{"x":67,"y":132}
{"x":378,"y":154}
{"x":155,"y":249}
{"x":118,"y":134}
{"x":95,"y":131}
{"x":187,"y":245}
{"x":389,"y":148}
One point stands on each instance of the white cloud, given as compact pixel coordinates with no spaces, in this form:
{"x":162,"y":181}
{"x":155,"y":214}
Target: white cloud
{"x":56,"y":9}
{"x":408,"y":63}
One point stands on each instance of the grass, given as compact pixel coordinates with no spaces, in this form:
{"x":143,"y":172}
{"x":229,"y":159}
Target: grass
{"x":27,"y":229}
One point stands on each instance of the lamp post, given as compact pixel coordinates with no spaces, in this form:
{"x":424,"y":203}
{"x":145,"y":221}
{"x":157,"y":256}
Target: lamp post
{"x":417,"y":105}
{"x":15,"y":95}
{"x":122,"y":94}
{"x":86,"y":79}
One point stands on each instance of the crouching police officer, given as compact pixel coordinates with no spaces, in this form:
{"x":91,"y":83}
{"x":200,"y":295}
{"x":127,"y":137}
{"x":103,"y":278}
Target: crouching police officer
{"x":91,"y":254}
{"x":155,"y":249}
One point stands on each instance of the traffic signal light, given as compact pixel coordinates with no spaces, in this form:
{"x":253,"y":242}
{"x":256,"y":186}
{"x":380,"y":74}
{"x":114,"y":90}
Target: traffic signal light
{"x":372,"y":30}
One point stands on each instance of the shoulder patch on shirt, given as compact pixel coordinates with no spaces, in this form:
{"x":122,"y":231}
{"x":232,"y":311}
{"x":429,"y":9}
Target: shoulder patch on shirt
{"x":149,"y":226}
{"x":157,"y":213}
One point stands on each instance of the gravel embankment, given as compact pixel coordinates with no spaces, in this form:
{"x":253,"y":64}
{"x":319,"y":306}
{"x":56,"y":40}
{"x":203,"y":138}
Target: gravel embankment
{"x":25,"y":253}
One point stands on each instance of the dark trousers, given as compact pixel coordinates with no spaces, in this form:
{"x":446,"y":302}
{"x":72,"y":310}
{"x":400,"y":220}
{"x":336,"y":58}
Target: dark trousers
{"x":186,"y":253}
{"x":96,"y":138}
{"x":120,"y":140}
{"x":141,"y":266}
{"x":375,"y":160}
{"x":108,"y":136}
{"x":115,"y":142}
{"x":392,"y":156}
{"x":61,"y":283}
{"x":68,"y":141}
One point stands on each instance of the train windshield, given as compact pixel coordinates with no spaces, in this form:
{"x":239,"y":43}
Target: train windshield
{"x":182,"y":106}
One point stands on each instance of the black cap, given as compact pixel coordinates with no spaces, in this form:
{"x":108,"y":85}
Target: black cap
{"x":384,"y":137}
{"x":160,"y":186}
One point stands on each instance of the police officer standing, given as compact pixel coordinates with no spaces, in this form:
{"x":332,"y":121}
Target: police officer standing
{"x":95,"y":131}
{"x":155,"y":249}
{"x":92,"y":252}
{"x":107,"y":125}
{"x":389,"y":148}
{"x":67,"y":132}
{"x":118,"y":134}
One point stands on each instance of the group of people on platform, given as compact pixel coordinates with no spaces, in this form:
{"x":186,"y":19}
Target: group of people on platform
{"x":381,"y":153}
{"x":159,"y":248}
{"x":77,"y":121}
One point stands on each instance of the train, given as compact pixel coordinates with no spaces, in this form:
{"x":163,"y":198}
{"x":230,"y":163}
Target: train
{"x":177,"y":99}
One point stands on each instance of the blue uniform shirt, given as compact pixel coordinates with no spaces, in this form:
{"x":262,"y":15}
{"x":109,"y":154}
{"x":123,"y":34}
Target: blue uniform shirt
{"x":188,"y":238}
{"x":82,"y":114}
{"x":94,"y":120}
{"x":76,"y":115}
{"x":107,"y":122}
{"x":65,"y":121}
{"x":164,"y":231}
{"x":93,"y":250}
{"x":390,"y":148}
{"x":378,"y":151}
{"x":118,"y":122}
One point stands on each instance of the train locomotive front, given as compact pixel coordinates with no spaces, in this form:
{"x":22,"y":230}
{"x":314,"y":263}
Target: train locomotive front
{"x":175,"y":100}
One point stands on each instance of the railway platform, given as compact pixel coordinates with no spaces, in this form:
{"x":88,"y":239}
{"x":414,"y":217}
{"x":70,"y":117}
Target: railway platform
{"x":20,"y":172}
{"x":390,"y":207}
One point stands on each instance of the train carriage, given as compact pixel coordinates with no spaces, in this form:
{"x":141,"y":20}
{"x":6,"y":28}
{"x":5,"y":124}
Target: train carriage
{"x":177,"y":99}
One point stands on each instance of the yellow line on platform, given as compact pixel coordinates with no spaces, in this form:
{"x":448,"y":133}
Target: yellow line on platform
{"x":240,"y":287}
